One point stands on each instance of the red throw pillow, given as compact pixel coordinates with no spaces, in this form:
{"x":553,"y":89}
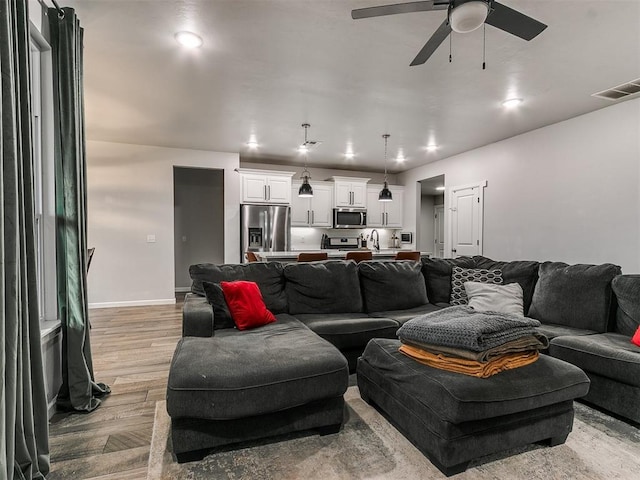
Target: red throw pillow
{"x":636,"y":337}
{"x":246,"y":305}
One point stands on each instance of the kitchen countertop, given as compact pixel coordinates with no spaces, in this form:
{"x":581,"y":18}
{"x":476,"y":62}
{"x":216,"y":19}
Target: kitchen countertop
{"x":334,"y":253}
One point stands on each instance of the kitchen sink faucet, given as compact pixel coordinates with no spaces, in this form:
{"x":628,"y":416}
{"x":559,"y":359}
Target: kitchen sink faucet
{"x":376,"y":243}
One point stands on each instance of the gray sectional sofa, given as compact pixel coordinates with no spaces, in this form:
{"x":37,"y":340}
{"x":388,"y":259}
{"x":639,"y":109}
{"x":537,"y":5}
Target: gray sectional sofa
{"x":227,"y":386}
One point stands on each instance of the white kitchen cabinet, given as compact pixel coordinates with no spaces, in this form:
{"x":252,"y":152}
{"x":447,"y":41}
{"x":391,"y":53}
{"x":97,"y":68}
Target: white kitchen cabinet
{"x":265,"y":186}
{"x":316,"y":211}
{"x":385,"y":214}
{"x":350,"y":192}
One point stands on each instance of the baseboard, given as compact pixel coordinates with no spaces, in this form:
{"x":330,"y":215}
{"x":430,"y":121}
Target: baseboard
{"x":134,"y":303}
{"x":182,"y":289}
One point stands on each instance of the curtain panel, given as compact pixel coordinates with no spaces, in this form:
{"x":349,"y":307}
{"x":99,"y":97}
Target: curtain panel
{"x":24,"y":450}
{"x":79,"y":390}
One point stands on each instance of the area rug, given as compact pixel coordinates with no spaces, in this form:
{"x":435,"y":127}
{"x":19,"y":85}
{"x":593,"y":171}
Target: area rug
{"x":369,"y":447}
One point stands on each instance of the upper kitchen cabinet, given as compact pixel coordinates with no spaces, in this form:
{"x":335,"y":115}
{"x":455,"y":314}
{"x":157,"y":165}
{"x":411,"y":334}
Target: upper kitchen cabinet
{"x":265,"y":186}
{"x":350,"y":192}
{"x":315,"y":211}
{"x":385,"y":214}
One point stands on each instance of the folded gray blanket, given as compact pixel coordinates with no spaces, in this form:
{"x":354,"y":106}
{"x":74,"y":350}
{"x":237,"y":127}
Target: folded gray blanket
{"x":463,"y":327}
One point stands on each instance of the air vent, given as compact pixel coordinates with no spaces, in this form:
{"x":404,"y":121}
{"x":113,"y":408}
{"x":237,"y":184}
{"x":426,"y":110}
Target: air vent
{"x":621,"y":91}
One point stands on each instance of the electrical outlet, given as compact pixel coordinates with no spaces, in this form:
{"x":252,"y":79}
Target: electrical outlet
{"x":151,"y":239}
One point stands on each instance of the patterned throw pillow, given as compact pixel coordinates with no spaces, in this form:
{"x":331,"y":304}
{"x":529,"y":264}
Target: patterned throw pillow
{"x":461,"y":275}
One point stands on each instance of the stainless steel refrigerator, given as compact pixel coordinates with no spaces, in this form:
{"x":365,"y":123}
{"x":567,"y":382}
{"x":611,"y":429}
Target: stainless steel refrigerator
{"x":265,"y":228}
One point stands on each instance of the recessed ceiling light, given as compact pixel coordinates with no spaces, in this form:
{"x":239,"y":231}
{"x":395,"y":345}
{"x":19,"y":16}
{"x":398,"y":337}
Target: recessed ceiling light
{"x":432,"y":148}
{"x":512,"y":102}
{"x":440,"y":189}
{"x":349,"y":155}
{"x":189,"y":39}
{"x":252,"y":144}
{"x":400,"y":158}
{"x":303,"y":149}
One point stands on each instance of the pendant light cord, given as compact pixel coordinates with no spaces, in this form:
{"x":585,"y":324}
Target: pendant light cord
{"x":386,"y":137}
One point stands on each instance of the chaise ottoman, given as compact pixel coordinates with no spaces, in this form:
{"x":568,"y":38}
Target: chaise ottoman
{"x":454,"y":418}
{"x":243,"y":385}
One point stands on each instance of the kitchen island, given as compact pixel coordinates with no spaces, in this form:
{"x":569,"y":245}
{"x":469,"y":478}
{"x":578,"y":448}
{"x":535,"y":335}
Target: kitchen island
{"x":292,"y":255}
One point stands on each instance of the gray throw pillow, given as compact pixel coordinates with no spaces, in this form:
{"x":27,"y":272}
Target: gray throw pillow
{"x":487,"y":297}
{"x":391,"y":285}
{"x":461,"y":275}
{"x":221,"y":315}
{"x":577,"y":296}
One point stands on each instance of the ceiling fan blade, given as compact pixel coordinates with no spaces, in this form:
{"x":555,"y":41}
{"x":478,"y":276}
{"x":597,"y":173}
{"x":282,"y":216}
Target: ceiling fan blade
{"x":434,"y":42}
{"x":382,"y":10}
{"x":514,"y":22}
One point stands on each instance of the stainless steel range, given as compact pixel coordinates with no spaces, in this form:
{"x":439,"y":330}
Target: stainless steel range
{"x":342,"y":243}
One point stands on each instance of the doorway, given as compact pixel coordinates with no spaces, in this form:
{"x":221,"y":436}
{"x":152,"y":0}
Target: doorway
{"x":430,"y":233}
{"x":198,"y":220}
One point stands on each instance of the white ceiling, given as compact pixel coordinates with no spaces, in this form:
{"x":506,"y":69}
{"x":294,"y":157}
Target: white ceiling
{"x":268,"y":66}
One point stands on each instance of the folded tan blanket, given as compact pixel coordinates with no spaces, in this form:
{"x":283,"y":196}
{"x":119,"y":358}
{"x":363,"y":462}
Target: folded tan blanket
{"x":472,"y":368}
{"x":536,"y":341}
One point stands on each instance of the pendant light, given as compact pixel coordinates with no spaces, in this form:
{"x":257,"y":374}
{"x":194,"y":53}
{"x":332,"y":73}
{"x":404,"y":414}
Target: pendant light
{"x":385,"y":193}
{"x":305,"y":190}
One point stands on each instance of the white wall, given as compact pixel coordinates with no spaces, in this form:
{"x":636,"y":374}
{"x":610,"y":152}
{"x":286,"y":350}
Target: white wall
{"x":567,"y":192}
{"x":130,"y":196}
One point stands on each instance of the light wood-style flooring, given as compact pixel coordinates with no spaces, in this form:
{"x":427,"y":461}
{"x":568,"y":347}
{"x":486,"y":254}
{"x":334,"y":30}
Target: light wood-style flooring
{"x":132,"y":349}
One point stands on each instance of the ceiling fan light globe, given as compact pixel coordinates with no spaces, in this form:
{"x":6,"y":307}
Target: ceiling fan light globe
{"x":468,"y":16}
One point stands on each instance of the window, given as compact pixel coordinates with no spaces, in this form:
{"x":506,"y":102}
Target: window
{"x":43,"y":174}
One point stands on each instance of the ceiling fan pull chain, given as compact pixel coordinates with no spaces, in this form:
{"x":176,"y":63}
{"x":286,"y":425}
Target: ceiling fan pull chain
{"x":450,"y":47}
{"x":484,"y":45}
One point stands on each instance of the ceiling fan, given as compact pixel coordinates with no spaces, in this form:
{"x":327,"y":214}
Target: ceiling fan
{"x":462,"y":16}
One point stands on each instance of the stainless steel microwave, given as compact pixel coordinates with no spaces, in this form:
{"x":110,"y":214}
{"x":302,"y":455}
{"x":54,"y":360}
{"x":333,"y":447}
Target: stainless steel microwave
{"x":349,"y":218}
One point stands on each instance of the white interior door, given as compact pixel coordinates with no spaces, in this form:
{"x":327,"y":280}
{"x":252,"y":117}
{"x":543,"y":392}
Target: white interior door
{"x":466,"y":220}
{"x":438,"y":231}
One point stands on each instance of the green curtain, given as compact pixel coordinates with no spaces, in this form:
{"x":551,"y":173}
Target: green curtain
{"x":24,"y":449}
{"x":79,"y":390}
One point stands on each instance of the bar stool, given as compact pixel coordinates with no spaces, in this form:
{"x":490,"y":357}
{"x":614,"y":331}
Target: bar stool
{"x":312,"y":257}
{"x":359,"y":256}
{"x":415,"y":256}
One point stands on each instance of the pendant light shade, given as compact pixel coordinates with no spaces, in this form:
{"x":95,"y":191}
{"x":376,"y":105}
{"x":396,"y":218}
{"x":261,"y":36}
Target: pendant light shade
{"x":305,"y":190}
{"x":467,"y":16}
{"x":385,"y":194}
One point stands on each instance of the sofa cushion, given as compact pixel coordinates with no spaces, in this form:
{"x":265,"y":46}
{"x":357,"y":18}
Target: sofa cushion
{"x":237,"y":374}
{"x":551,"y":330}
{"x":221,"y":314}
{"x":461,"y":275}
{"x":524,"y":272}
{"x":392,"y":285}
{"x":402,"y":316}
{"x":610,"y":355}
{"x":268,"y":275}
{"x":578,"y":296}
{"x":246,"y":305}
{"x":627,"y":291}
{"x":437,"y":276}
{"x":349,"y":330}
{"x":488,"y":297}
{"x":330,"y":286}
